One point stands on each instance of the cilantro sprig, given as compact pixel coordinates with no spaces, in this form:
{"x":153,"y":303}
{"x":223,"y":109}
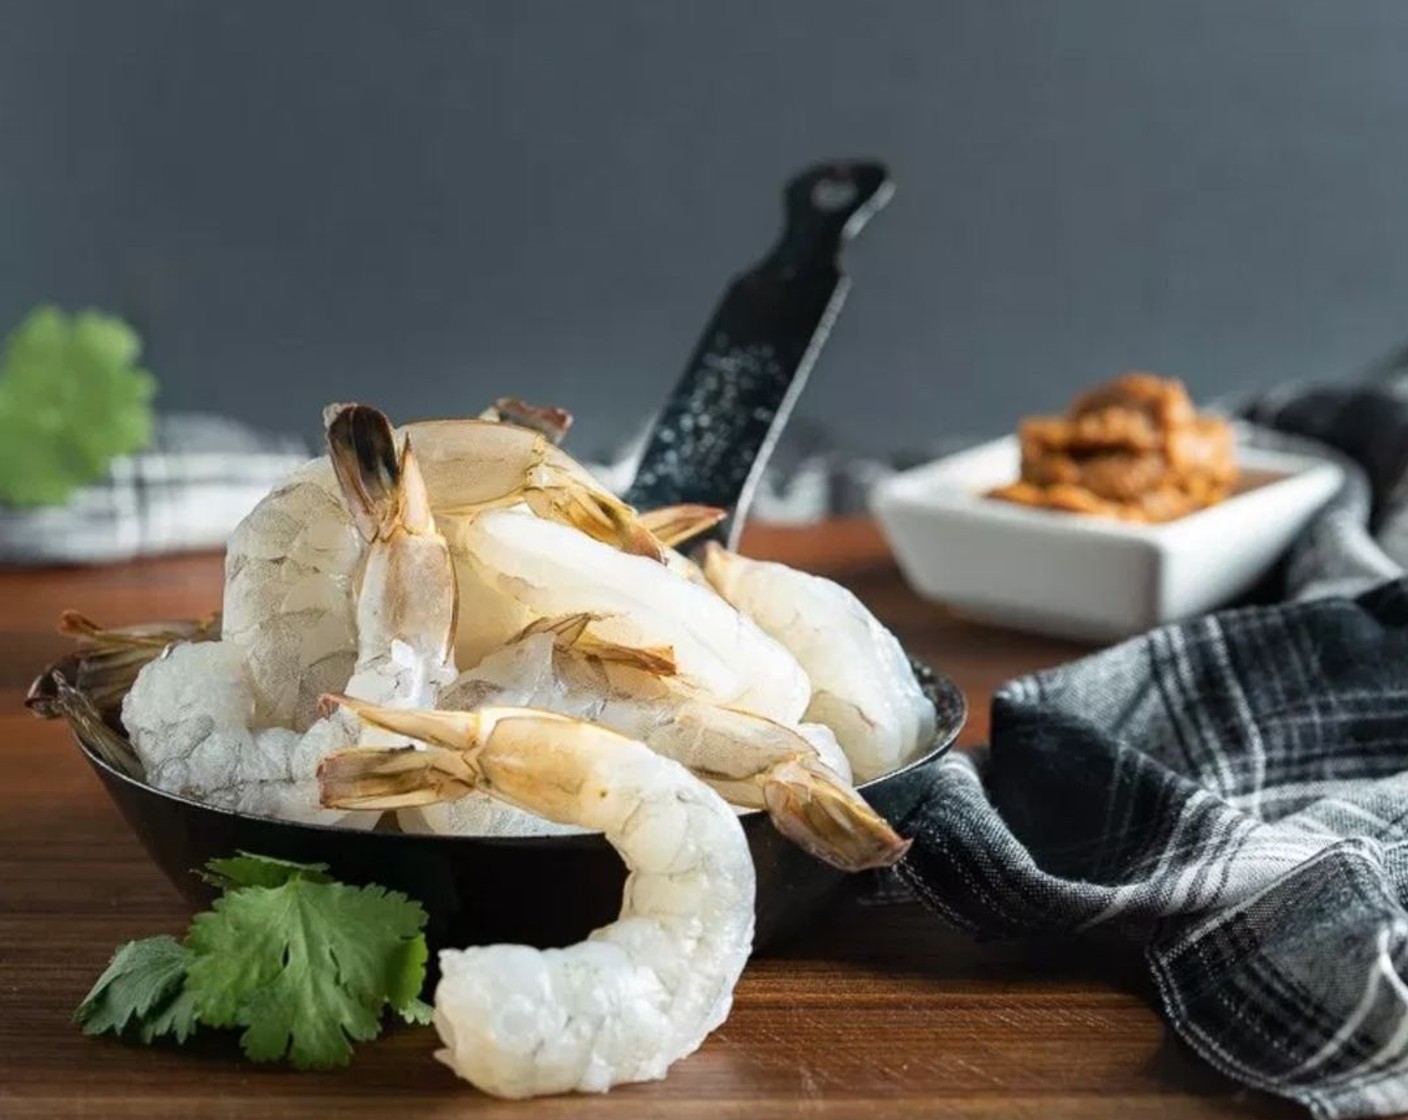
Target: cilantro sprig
{"x":301,"y":964}
{"x":72,"y":398}
{"x":142,"y":992}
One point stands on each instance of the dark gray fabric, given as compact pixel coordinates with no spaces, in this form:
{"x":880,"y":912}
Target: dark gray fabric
{"x":1232,"y":791}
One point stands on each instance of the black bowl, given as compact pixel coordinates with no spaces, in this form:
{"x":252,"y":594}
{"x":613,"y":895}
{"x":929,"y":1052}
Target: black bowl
{"x":542,"y":891}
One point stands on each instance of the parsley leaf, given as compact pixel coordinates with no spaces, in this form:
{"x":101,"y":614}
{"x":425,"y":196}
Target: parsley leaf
{"x":304,"y":964}
{"x":142,"y":990}
{"x":72,"y":398}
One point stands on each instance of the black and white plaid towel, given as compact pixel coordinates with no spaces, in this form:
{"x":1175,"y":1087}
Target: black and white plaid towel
{"x":1233,"y":791}
{"x":188,"y":490}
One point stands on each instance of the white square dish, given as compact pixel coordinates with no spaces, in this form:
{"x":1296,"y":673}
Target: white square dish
{"x":1079,"y":576}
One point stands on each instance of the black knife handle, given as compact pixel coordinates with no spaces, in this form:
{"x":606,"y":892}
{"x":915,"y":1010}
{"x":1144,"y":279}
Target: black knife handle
{"x":713,"y":437}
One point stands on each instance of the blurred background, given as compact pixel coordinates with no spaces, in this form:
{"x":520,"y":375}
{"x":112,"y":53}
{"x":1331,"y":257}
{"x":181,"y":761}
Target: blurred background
{"x":427,"y":204}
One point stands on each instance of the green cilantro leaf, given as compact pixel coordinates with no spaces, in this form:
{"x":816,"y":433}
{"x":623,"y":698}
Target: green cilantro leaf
{"x":304,"y":964}
{"x":72,"y":398}
{"x":249,"y":870}
{"x":176,"y":1018}
{"x":417,"y":1012}
{"x":307,"y":967}
{"x":142,"y":990}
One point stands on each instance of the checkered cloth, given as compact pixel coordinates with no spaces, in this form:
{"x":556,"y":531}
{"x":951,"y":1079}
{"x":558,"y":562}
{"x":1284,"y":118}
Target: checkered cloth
{"x":188,"y":490}
{"x":1231,"y":791}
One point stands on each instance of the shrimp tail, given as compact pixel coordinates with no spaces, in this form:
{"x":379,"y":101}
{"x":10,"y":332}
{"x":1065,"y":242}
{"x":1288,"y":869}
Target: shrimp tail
{"x":384,"y":489}
{"x":146,"y":635}
{"x":459,"y":731}
{"x":828,"y":819}
{"x":719,"y":567}
{"x":598,"y":514}
{"x":393,"y":777}
{"x":552,"y":423}
{"x":674,"y":525}
{"x":109,"y":658}
{"x":570,"y":632}
{"x":52,"y":695}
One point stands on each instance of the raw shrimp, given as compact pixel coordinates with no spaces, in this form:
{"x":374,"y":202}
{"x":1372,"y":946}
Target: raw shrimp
{"x":637,"y":994}
{"x":621,"y":671}
{"x":289,"y":611}
{"x":862,"y":684}
{"x":477,"y":813}
{"x":560,"y":666}
{"x":291,"y":565}
{"x":517,"y":569}
{"x":191,"y":713}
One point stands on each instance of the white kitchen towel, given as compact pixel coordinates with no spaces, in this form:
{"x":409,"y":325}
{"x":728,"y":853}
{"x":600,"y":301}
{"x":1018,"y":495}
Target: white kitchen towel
{"x":187,"y":491}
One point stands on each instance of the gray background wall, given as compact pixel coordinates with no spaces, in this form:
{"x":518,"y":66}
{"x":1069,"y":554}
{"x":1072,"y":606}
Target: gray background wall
{"x":425,"y":204}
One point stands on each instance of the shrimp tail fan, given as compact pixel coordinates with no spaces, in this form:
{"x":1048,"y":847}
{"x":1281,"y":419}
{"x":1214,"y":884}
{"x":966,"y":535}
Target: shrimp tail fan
{"x":392,"y":777}
{"x":828,"y":819}
{"x":383,"y":488}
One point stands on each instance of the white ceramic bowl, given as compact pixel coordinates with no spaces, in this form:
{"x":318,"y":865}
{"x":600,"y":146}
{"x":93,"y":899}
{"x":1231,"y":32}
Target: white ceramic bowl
{"x":1089,"y":577}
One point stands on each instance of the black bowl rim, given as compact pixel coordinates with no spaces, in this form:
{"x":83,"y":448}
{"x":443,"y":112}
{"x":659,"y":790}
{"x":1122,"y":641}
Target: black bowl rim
{"x":936,"y":684}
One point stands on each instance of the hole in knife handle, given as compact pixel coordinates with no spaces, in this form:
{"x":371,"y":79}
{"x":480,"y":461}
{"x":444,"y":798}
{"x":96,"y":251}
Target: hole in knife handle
{"x":833,"y":194}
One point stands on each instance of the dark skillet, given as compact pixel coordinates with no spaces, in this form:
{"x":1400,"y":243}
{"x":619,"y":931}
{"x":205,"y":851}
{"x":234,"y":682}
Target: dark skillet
{"x":540,"y":891}
{"x":743,"y":378}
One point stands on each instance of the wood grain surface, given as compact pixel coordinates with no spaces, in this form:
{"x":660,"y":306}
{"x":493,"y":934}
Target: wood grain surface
{"x":879,"y":1011}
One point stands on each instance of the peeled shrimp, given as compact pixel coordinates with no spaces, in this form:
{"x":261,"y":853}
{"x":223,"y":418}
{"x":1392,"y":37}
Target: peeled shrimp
{"x":637,"y":994}
{"x":862,"y":684}
{"x":517,"y":569}
{"x":560,"y":666}
{"x":289,"y":611}
{"x":291,"y":566}
{"x":191,"y":714}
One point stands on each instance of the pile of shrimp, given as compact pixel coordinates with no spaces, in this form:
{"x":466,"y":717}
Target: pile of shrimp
{"x":453,"y":628}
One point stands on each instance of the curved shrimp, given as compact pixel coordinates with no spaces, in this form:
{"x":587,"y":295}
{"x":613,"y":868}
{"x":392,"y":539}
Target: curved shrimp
{"x":517,"y":569}
{"x":862,"y":685}
{"x":191,"y":714}
{"x":560,"y":666}
{"x":637,"y":994}
{"x":291,"y":566}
